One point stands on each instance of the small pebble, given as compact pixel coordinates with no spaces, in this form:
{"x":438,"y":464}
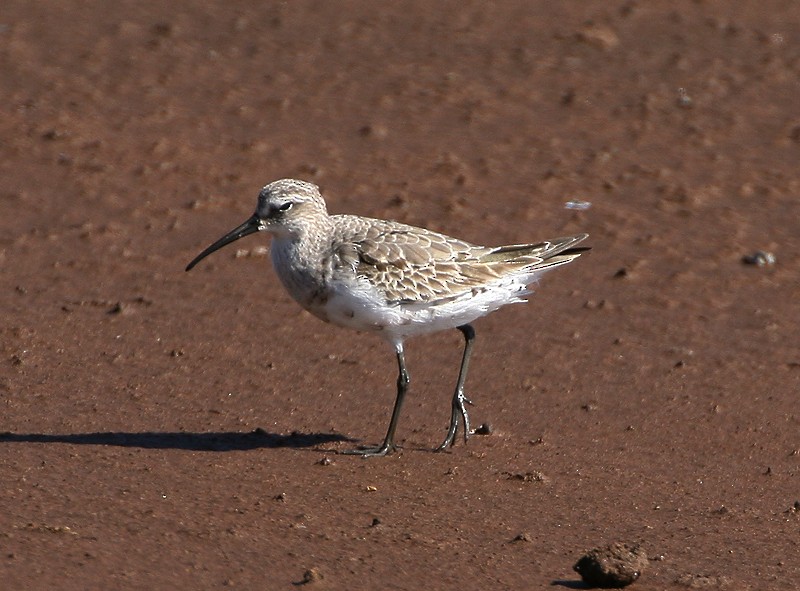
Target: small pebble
{"x":760,"y":258}
{"x":622,"y":272}
{"x":684,"y":100}
{"x":312,"y":575}
{"x":484,"y":429}
{"x":578,"y":204}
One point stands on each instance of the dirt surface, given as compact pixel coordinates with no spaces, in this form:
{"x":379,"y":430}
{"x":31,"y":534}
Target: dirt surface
{"x":165,"y":430}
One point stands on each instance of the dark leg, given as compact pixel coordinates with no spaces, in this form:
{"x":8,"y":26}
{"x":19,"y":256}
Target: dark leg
{"x":459,"y":399}
{"x":388,"y":446}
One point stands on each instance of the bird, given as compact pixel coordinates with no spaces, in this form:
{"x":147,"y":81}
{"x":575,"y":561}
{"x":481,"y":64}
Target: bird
{"x":392,"y":279}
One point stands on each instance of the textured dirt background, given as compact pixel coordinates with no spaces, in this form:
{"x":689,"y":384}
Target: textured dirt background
{"x":648,"y":393}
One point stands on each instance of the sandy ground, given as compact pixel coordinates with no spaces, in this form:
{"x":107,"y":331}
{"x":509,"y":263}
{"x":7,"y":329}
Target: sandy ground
{"x":165,"y":430}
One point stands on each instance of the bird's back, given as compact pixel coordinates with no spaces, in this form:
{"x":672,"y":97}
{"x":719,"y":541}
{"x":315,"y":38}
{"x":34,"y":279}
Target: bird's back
{"x":404,"y":280}
{"x":415,"y":265}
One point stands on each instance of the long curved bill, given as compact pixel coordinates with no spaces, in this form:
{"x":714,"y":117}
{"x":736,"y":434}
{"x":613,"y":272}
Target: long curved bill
{"x":249,"y":227}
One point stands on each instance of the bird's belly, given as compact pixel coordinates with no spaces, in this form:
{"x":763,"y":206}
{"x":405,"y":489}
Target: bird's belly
{"x":362,"y":308}
{"x":356,"y":307}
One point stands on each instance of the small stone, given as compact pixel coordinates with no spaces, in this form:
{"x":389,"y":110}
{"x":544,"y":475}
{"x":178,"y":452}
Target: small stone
{"x":484,"y":429}
{"x":598,"y":305}
{"x":117,"y":308}
{"x":377,"y":131}
{"x":599,"y":36}
{"x":578,"y":204}
{"x":684,"y":100}
{"x":312,"y":575}
{"x":759,"y":258}
{"x":613,"y":566}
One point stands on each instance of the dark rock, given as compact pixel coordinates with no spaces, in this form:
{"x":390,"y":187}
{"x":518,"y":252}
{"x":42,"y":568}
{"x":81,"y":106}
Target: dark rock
{"x":613,"y":566}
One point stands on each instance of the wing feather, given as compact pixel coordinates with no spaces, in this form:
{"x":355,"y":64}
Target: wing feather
{"x":414,"y":265}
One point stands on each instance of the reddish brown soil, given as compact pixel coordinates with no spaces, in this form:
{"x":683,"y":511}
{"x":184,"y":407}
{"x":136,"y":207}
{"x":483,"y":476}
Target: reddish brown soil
{"x":648,"y":394}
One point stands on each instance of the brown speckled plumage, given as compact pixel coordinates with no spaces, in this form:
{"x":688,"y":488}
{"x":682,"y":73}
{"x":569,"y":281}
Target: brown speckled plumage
{"x":414,"y":265}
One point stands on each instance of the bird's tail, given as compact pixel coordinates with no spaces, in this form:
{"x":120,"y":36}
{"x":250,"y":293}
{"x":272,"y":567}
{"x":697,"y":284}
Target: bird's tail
{"x":543,"y":255}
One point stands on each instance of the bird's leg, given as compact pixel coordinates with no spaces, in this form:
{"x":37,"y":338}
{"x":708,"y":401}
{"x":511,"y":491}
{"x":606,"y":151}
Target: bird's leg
{"x":459,"y":398}
{"x":388,"y":446}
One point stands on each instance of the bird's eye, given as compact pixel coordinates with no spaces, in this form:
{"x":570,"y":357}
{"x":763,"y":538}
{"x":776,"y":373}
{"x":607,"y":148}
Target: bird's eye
{"x":285,"y":206}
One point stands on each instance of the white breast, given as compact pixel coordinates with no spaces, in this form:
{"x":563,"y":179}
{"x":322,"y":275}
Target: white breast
{"x":361,"y":307}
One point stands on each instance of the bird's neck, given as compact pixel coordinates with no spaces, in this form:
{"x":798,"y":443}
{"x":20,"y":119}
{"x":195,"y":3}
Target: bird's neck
{"x":300,"y":262}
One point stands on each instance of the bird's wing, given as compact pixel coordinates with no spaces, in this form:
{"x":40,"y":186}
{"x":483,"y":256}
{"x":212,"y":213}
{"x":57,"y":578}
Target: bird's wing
{"x":412,"y":265}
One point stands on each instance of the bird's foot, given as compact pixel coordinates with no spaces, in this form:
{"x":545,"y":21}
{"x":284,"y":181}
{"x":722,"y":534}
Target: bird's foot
{"x":370,"y":452}
{"x":459,"y":411}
